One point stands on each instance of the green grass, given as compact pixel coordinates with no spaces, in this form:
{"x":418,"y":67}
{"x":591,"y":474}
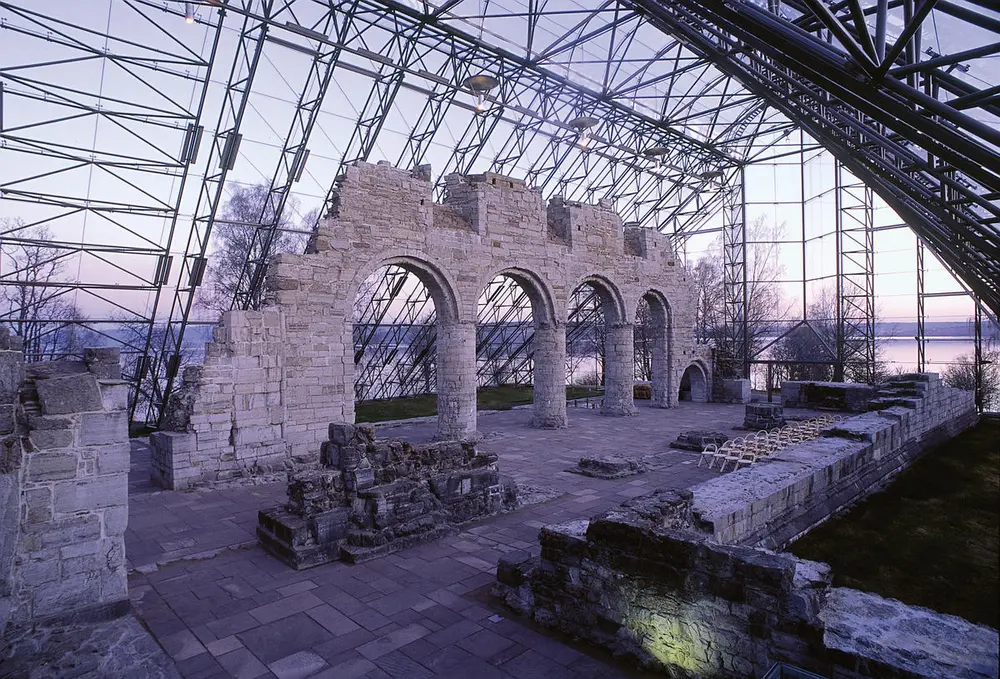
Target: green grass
{"x":492,"y":398}
{"x":930,"y":539}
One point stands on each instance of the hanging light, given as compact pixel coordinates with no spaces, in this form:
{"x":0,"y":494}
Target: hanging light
{"x":480,"y":85}
{"x":658,"y":154}
{"x":582,"y":125}
{"x":189,"y":12}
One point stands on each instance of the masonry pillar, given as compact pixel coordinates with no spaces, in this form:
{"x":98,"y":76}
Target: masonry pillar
{"x":549,"y":376}
{"x":456,"y":380}
{"x":662,"y":396}
{"x":619,"y":369}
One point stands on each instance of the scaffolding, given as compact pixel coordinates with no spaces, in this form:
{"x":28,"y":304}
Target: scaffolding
{"x":121,"y":133}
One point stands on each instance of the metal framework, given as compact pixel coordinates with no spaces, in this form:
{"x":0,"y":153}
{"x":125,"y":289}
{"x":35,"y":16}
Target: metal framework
{"x":121,"y":135}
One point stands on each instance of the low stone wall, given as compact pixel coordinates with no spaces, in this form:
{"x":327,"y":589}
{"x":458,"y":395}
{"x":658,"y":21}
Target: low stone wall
{"x":843,"y":396}
{"x":645,"y":583}
{"x":66,"y":455}
{"x":732,"y":391}
{"x":225,"y":419}
{"x":678,"y":582}
{"x":373,"y":497}
{"x":771,"y":503}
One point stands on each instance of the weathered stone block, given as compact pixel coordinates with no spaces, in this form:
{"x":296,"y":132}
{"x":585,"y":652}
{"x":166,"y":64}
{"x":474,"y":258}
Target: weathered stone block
{"x":608,"y":467}
{"x":113,"y":458}
{"x":103,"y":428}
{"x":101,"y":491}
{"x":69,"y":394}
{"x":46,"y":439}
{"x":52,"y":466}
{"x":104,"y":362}
{"x":114,"y":394}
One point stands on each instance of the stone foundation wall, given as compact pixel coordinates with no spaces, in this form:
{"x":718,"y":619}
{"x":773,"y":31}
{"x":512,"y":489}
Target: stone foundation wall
{"x":843,"y":396}
{"x":67,"y":461}
{"x":642,"y":582}
{"x":678,"y":582}
{"x":771,"y":503}
{"x":376,"y":496}
{"x":273,"y":380}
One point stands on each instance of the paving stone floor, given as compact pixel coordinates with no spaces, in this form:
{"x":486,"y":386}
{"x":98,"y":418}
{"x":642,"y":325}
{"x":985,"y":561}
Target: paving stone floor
{"x":222,"y":607}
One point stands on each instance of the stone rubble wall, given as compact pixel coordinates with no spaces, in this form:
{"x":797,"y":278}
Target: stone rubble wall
{"x":771,"y":503}
{"x":68,"y":450}
{"x":273,"y":380}
{"x":233,"y":406}
{"x":846,"y":396}
{"x":376,"y":496}
{"x":641,"y":581}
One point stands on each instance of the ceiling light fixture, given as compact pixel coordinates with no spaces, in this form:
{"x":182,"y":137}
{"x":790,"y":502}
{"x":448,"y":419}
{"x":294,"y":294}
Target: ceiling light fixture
{"x":582,"y":125}
{"x":480,"y":85}
{"x":658,"y":154}
{"x":188,"y":12}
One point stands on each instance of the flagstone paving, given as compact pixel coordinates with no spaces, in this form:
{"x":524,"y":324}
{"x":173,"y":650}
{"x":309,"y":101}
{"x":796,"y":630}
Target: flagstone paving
{"x":222,"y":607}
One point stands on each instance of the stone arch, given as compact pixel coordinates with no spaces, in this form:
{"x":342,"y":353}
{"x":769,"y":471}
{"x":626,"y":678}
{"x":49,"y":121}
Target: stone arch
{"x":455,"y":345}
{"x":548,"y":349}
{"x":661,"y":340}
{"x":612,"y":301}
{"x":619,"y":347}
{"x":441,"y":287}
{"x":694,"y":383}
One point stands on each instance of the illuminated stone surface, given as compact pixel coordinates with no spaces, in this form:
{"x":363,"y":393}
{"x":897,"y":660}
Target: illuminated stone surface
{"x":655,"y":581}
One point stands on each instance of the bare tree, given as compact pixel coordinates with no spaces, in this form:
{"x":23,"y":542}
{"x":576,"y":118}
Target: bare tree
{"x":242,"y":216}
{"x":815,"y":339}
{"x":32,"y":291}
{"x":764,"y":302}
{"x":962,"y":374}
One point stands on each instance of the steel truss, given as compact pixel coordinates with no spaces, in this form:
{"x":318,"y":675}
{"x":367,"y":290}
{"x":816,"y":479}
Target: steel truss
{"x":855,"y":322}
{"x":115,"y":219}
{"x":889,"y":116}
{"x":715,"y":94}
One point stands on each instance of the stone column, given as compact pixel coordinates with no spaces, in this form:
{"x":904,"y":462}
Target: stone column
{"x":550,"y":376}
{"x":456,"y":380}
{"x":662,"y":384}
{"x":619,"y":369}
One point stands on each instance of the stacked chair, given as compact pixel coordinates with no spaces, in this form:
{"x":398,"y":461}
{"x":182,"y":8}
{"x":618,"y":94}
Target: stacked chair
{"x":752,"y":448}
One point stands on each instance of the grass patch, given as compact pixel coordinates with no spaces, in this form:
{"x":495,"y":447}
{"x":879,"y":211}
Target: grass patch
{"x":930,"y":539}
{"x":491,"y":398}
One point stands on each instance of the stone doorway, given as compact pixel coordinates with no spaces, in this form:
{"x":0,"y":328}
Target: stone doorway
{"x":694,"y":385}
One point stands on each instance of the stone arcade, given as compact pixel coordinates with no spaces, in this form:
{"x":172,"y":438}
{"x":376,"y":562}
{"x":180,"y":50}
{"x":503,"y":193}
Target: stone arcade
{"x":274,"y":379}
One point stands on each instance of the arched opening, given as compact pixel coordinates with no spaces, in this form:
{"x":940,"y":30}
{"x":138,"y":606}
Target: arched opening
{"x":412,"y":356}
{"x":599,"y":344}
{"x":395,"y":334}
{"x":519,"y":349}
{"x":653,"y":349}
{"x":694,"y":385}
{"x":504,"y":332}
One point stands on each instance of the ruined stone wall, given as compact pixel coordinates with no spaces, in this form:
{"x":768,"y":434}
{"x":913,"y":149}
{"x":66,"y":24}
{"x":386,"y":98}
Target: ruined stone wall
{"x":233,"y":405}
{"x":487,"y":225}
{"x":771,"y":503}
{"x":642,"y":582}
{"x":67,"y":453}
{"x":679,"y":581}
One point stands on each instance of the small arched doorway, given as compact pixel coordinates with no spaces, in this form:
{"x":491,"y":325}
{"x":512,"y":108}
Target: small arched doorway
{"x":694,"y":385}
{"x":652,"y":347}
